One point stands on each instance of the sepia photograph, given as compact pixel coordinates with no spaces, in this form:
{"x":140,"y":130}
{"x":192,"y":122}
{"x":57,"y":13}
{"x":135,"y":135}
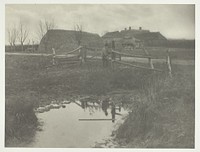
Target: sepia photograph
{"x":100,"y":76}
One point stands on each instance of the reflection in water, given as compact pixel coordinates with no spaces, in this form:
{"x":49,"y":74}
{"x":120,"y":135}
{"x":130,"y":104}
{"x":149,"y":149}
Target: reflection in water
{"x":105,"y":106}
{"x":62,"y":127}
{"x":113,"y":112}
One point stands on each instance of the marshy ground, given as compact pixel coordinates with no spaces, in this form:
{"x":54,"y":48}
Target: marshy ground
{"x":162,"y":109}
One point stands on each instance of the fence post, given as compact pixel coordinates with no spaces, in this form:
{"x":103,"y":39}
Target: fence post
{"x":151,"y":63}
{"x":169,"y":63}
{"x":54,"y":55}
{"x":80,"y":56}
{"x":145,"y":51}
{"x":113,"y":56}
{"x":95,"y":53}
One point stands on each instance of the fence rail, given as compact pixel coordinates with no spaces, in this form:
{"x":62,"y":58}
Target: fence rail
{"x":142,"y":67}
{"x":147,"y":56}
{"x":80,"y":57}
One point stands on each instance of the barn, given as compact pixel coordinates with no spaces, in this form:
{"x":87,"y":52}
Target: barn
{"x":65,"y":41}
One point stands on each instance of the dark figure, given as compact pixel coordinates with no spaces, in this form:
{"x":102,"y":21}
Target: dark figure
{"x":113,"y":112}
{"x":119,"y":108}
{"x":82,"y":55}
{"x":105,"y":55}
{"x":84,"y":104}
{"x":113,"y":45}
{"x":113,"y":55}
{"x":105,"y":105}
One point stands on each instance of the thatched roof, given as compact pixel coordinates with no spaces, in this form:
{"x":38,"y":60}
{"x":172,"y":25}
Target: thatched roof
{"x":133,"y":32}
{"x":150,"y":36}
{"x":124,"y":33}
{"x":138,"y":34}
{"x":65,"y":41}
{"x":115,"y":34}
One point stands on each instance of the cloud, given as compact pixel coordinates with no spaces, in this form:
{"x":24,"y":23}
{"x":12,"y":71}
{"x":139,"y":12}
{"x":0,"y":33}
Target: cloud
{"x":173,"y":21}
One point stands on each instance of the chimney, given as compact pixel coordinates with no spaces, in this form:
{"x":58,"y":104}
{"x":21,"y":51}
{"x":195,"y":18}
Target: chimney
{"x":124,"y":29}
{"x":140,"y":28}
{"x":129,"y":28}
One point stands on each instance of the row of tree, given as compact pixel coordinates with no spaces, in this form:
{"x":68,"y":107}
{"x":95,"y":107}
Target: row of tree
{"x":20,"y":33}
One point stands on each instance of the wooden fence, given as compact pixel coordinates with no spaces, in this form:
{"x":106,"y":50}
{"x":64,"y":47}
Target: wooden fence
{"x":79,"y":55}
{"x":67,"y":58}
{"x":147,"y":56}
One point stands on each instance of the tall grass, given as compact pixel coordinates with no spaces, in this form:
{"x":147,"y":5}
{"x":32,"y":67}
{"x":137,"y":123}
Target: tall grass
{"x":163,"y":115}
{"x":21,"y":121}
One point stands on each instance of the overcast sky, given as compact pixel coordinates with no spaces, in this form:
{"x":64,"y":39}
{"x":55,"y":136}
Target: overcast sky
{"x":173,"y":21}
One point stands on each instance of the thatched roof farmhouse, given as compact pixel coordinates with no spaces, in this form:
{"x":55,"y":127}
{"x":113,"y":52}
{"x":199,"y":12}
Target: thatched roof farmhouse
{"x":135,"y":37}
{"x":65,"y":41}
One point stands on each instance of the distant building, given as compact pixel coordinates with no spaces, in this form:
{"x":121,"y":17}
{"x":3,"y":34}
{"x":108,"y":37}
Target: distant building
{"x":130,"y":43}
{"x":65,"y":40}
{"x":134,"y":38}
{"x":18,"y":48}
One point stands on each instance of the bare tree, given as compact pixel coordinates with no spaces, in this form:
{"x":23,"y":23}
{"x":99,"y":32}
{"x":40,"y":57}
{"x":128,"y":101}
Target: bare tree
{"x":40,"y":30}
{"x":49,"y":25}
{"x":12,"y":37}
{"x":23,"y":34}
{"x":79,"y":33}
{"x":44,"y":26}
{"x":28,"y":43}
{"x":78,"y":37}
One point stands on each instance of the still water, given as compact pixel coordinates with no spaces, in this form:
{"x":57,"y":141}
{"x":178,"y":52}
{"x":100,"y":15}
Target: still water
{"x":77,"y":124}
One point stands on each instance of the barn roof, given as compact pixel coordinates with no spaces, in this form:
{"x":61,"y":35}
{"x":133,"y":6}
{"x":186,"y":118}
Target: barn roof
{"x":133,"y":32}
{"x":150,"y":36}
{"x":65,"y":40}
{"x":138,"y":34}
{"x":115,"y":34}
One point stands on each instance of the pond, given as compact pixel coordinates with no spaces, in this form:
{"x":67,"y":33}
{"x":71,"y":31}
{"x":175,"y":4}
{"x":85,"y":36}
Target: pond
{"x":77,"y":124}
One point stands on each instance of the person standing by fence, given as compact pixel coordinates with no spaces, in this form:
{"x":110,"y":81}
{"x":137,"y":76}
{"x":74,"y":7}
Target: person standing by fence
{"x":105,"y":56}
{"x":113,"y":56}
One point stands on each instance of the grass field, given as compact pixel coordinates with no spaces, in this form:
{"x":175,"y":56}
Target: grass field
{"x":160,"y":52}
{"x":162,"y":109}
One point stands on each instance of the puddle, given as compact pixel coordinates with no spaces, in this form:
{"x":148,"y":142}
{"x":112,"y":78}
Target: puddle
{"x":77,"y":124}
